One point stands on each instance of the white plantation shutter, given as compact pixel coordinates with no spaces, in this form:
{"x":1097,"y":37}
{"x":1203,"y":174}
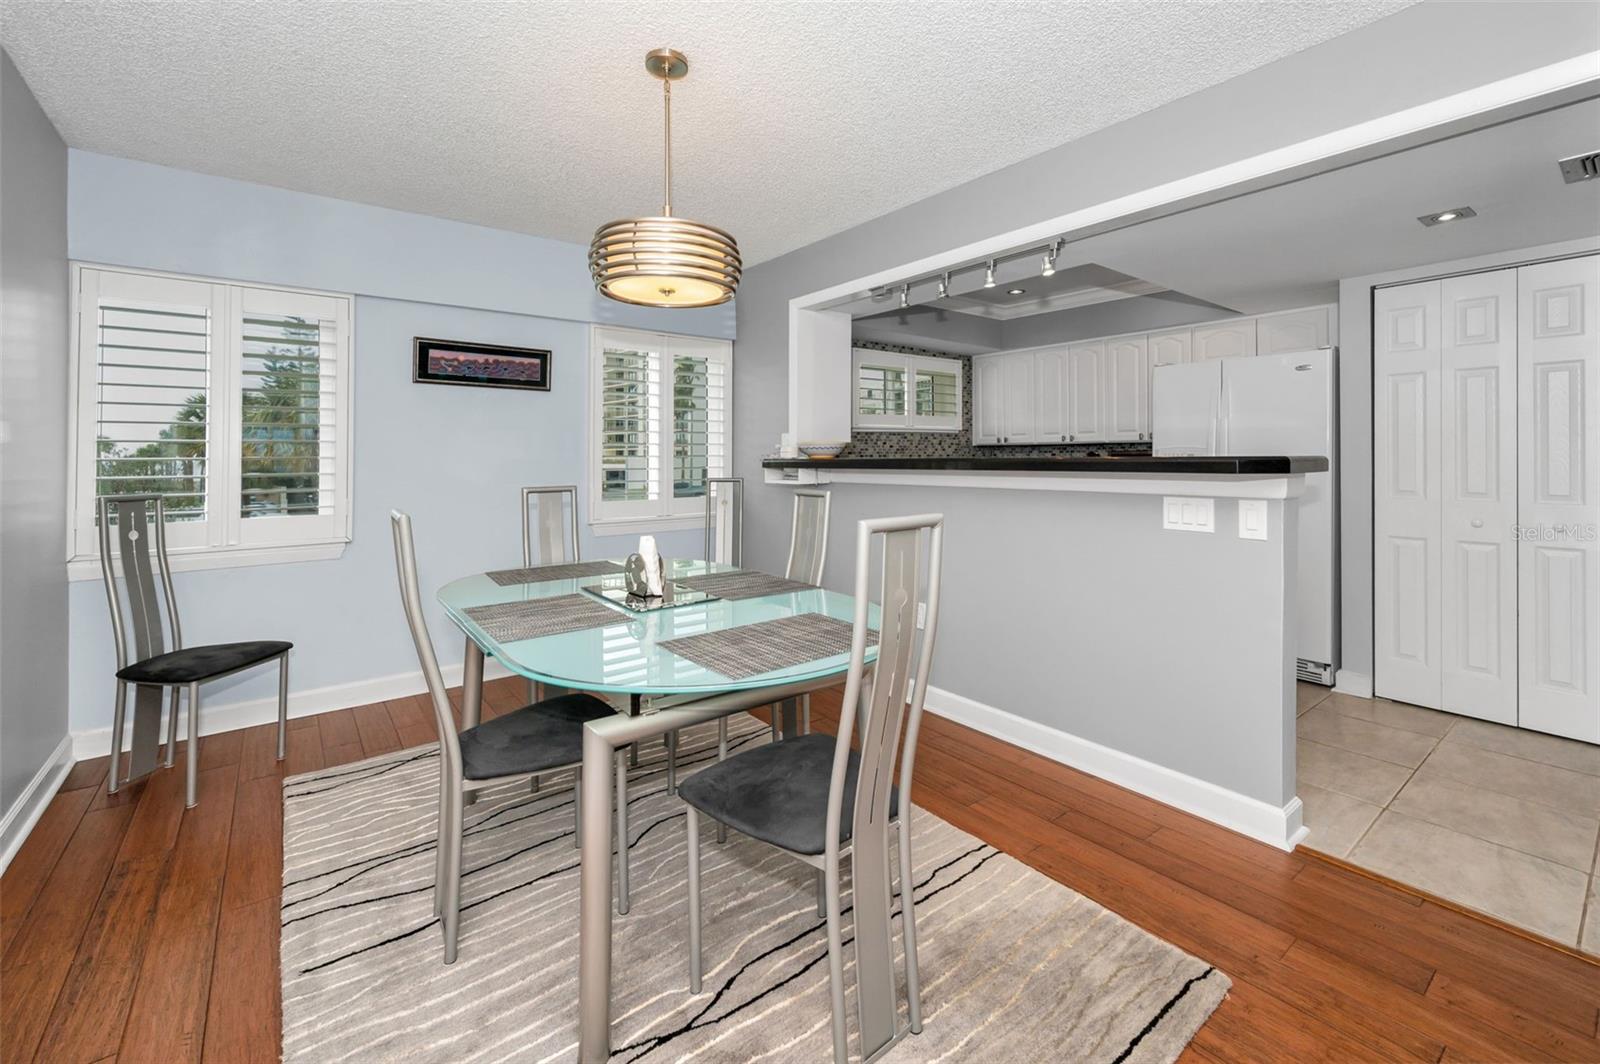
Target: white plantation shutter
{"x":662,"y":423}
{"x":229,"y":402}
{"x":700,"y":396}
{"x":901,"y":391}
{"x":937,"y":388}
{"x":291,"y":437}
{"x":630,"y":428}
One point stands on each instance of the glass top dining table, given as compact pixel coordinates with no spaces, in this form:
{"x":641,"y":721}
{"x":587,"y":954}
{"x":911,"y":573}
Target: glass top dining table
{"x":626,"y":657}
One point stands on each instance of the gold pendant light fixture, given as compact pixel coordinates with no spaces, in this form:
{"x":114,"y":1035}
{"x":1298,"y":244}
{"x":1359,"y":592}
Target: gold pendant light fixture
{"x":665,"y":261}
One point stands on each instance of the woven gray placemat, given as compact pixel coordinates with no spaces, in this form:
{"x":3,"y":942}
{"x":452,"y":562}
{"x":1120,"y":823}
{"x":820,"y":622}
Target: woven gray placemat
{"x":539,"y":573}
{"x":744,"y":584}
{"x":752,"y":649}
{"x":507,"y":622}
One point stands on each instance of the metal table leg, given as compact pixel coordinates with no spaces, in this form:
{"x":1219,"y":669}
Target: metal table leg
{"x":471,"y":697}
{"x":471,"y":685}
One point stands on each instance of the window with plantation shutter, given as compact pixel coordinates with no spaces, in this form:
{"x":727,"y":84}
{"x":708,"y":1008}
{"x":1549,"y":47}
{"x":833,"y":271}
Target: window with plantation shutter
{"x":895,"y":390}
{"x":230,"y":402}
{"x":662,"y":428}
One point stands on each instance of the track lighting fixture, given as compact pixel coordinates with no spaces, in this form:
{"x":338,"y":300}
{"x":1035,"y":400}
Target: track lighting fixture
{"x":988,"y":275}
{"x":905,"y":296}
{"x":1049,"y":267}
{"x":944,"y":286}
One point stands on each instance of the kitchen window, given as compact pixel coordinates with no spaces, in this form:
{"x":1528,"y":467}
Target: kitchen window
{"x":895,"y":391}
{"x":231,"y":402}
{"x":661,"y":425}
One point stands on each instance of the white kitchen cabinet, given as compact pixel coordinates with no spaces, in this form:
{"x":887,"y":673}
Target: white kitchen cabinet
{"x":1086,"y":393}
{"x":1294,"y":330}
{"x":1017,"y":414}
{"x":1050,"y":389}
{"x":989,"y":398}
{"x":1169,"y":348}
{"x":1224,"y":339}
{"x":1126,"y":373}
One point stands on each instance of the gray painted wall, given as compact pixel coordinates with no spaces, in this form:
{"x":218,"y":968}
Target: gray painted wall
{"x":33,"y":436}
{"x":454,"y":457}
{"x":1417,"y":55}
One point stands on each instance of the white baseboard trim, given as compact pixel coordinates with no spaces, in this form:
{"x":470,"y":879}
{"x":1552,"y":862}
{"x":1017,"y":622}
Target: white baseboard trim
{"x":1356,"y":684}
{"x":225,"y":717}
{"x":1277,"y":826}
{"x":30,"y":804}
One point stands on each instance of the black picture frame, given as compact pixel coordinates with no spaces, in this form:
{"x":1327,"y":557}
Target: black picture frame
{"x":436,"y":361}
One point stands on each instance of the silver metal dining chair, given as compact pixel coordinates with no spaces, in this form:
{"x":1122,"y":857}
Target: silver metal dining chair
{"x":141,"y":532}
{"x":541,"y":737}
{"x":550,"y":520}
{"x":814,"y":797}
{"x":550,"y":517}
{"x":725,"y":520}
{"x":808,"y":536}
{"x":808,"y":550}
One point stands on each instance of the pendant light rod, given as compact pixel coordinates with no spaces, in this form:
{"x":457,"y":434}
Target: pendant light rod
{"x":666,"y":112}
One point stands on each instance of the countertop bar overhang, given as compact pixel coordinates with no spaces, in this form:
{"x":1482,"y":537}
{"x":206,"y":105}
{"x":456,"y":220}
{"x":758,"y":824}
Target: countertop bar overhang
{"x":1223,"y":476}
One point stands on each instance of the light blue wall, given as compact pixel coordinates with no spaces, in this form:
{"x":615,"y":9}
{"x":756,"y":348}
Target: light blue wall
{"x":135,"y":214}
{"x":453,"y":457}
{"x":33,"y":427}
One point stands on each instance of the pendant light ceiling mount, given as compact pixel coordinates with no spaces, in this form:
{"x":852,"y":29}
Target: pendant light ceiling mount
{"x":665,"y":261}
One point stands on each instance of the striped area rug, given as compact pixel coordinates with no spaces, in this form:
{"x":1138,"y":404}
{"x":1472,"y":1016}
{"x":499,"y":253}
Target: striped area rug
{"x":1015,"y":967}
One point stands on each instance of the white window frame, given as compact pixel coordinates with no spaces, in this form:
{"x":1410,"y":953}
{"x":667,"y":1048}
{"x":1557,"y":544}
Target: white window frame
{"x":224,"y":539}
{"x":912,"y":366}
{"x":665,"y":513}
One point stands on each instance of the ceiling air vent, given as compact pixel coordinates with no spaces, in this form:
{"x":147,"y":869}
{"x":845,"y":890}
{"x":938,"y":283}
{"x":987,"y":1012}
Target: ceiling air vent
{"x":1585,"y":167}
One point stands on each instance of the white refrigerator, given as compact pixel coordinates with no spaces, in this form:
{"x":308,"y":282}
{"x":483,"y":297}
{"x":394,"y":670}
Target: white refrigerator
{"x":1272,"y":404}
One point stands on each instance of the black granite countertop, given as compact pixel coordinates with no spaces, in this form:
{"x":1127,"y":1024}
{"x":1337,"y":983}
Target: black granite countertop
{"x":1209,"y":465}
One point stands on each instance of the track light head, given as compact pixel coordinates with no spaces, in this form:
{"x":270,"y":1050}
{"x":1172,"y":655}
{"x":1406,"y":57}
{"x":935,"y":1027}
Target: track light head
{"x":988,"y":275}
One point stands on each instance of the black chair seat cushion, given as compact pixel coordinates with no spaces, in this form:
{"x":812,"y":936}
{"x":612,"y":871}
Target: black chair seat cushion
{"x":192,"y":664}
{"x":535,"y":738}
{"x":778,"y":793}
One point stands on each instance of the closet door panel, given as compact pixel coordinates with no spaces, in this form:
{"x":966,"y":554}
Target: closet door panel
{"x":1406,"y":488}
{"x":1478,"y":489}
{"x":1559,"y":497}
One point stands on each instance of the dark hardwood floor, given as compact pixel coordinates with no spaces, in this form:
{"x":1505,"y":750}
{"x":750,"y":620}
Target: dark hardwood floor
{"x":134,"y":930}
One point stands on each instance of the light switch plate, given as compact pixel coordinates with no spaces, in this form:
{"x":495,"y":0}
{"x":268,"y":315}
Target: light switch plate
{"x":1186,"y":514}
{"x":1252,"y":519}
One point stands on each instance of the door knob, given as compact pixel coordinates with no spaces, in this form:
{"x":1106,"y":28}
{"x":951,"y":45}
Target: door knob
{"x":1477,"y":524}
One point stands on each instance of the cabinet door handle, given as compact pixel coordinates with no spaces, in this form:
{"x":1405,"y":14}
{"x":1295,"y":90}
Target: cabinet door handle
{"x":1071,"y":437}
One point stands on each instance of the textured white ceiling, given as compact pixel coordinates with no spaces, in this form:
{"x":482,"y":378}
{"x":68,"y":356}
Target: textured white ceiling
{"x":797,"y":120}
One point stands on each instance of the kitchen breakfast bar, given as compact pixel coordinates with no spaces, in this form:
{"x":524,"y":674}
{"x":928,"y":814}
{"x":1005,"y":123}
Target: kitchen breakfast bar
{"x":1062,"y":576}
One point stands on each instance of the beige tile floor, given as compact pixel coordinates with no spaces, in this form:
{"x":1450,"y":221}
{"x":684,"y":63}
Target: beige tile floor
{"x":1495,"y":818}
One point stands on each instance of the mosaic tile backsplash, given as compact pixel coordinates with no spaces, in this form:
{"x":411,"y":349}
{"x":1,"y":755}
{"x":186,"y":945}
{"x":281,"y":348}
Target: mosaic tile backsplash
{"x":959,"y":444}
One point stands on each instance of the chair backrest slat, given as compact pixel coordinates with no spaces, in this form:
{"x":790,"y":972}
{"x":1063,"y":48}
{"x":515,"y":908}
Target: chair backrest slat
{"x":138,"y":599}
{"x":808,"y":538}
{"x":725,"y":520}
{"x":405,"y":563}
{"x":550,"y":506}
{"x":880,"y":690}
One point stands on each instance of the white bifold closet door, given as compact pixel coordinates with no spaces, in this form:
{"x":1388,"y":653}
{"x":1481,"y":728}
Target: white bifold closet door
{"x":1406,"y":433}
{"x":1559,"y":506}
{"x":1478,"y":490}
